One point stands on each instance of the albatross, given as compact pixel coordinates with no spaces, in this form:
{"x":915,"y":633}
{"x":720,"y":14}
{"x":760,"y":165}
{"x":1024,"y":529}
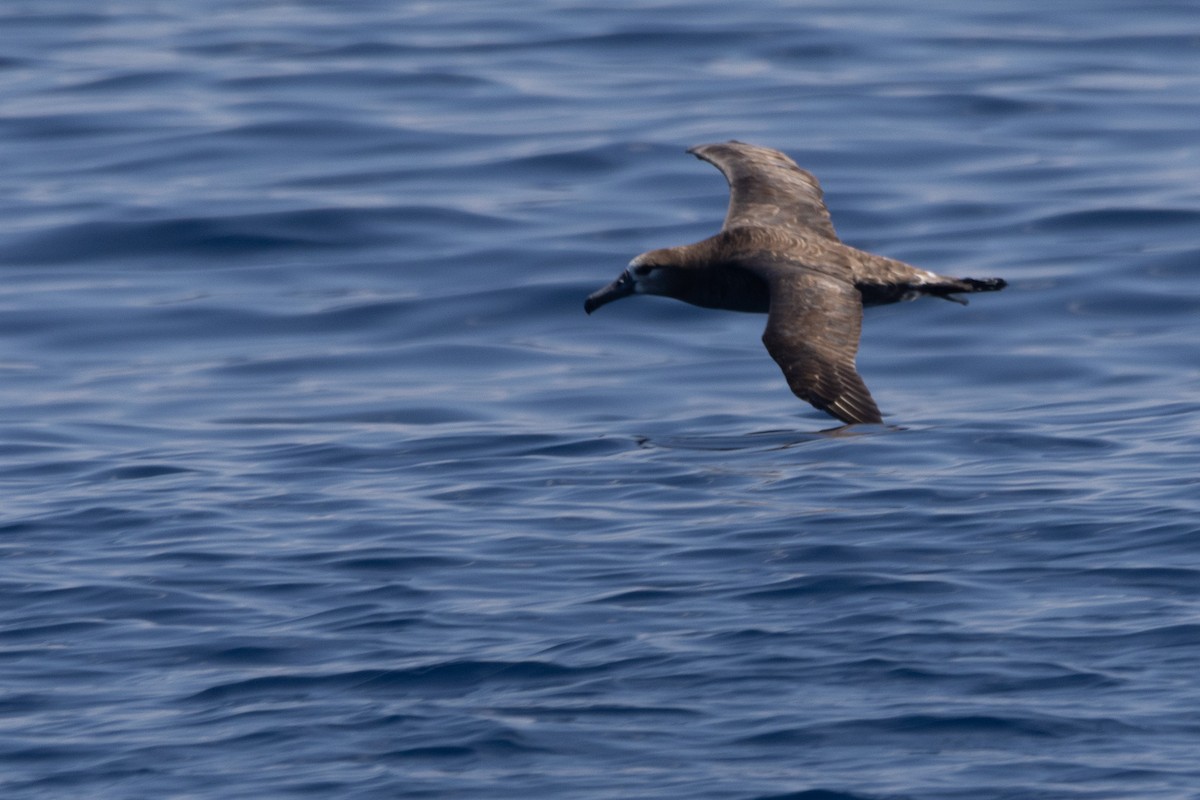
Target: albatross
{"x":778,"y":254}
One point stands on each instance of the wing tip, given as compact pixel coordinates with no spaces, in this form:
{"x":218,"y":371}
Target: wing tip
{"x":697,"y":149}
{"x":854,"y":410}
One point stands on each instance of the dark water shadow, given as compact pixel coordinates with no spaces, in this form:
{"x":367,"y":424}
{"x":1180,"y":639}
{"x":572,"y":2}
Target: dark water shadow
{"x":775,"y":439}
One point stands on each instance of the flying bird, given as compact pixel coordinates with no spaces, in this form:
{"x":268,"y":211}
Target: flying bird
{"x":778,"y":254}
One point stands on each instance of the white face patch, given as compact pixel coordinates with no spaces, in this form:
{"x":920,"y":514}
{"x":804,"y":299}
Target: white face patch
{"x":645,"y":279}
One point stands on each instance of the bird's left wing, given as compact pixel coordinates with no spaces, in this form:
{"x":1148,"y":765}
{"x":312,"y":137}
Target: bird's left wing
{"x":812,"y":332}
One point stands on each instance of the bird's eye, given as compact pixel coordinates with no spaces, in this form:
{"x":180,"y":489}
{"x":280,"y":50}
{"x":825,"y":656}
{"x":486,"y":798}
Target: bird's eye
{"x":642,"y":270}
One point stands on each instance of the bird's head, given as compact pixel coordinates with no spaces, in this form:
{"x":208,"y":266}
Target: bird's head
{"x":649,"y":273}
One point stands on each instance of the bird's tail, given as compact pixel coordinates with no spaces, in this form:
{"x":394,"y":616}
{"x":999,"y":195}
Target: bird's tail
{"x":985,"y":285}
{"x":947,"y":290}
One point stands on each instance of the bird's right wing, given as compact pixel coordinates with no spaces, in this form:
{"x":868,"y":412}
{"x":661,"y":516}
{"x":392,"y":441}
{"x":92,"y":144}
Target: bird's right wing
{"x":768,"y":189}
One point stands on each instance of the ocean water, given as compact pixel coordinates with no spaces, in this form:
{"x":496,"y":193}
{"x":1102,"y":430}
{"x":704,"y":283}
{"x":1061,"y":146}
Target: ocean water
{"x":318,"y":482}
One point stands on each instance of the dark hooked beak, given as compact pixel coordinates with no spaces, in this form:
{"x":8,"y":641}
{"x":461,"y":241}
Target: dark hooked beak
{"x":621,"y":287}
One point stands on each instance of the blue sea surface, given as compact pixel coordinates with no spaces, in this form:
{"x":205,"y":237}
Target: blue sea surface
{"x":318,"y":482}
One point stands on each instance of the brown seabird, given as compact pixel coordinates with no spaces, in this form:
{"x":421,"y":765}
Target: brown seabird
{"x":777,"y":254}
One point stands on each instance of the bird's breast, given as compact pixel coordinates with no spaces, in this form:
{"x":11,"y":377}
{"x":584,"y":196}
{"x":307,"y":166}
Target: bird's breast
{"x":731,"y":289}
